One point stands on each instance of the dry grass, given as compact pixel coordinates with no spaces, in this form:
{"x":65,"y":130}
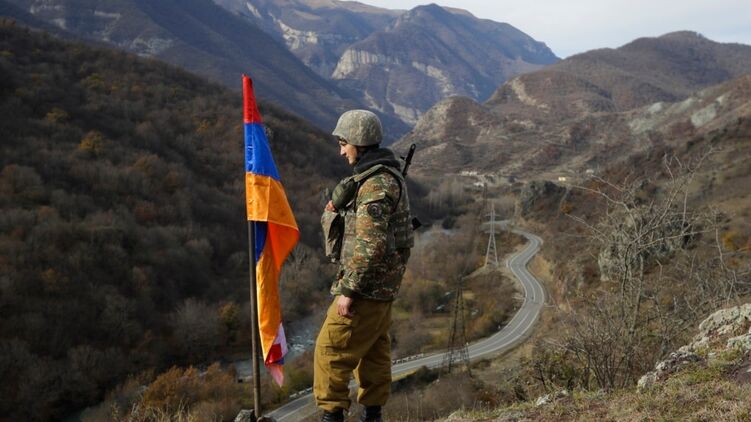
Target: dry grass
{"x":694,"y":394}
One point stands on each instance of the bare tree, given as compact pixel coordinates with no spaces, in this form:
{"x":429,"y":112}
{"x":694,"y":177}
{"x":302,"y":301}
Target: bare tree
{"x":197,"y":329}
{"x":658,"y":276}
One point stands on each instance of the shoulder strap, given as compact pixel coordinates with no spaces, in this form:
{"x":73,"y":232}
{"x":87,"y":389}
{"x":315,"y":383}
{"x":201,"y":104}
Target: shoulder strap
{"x":367,"y":173}
{"x":360,"y":178}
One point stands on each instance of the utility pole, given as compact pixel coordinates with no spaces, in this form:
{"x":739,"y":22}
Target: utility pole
{"x":457,"y":352}
{"x":491,"y":255}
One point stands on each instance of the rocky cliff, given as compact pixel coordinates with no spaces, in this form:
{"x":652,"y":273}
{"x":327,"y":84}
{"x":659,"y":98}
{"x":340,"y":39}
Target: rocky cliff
{"x":316,"y":31}
{"x":430,"y":53}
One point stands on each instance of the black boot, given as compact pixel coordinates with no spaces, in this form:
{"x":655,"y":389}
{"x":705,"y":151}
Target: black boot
{"x":337,"y":416}
{"x":371,"y":414}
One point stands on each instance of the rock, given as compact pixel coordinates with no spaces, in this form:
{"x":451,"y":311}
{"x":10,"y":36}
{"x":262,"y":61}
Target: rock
{"x":647,"y":381}
{"x":733,"y":324}
{"x":741,"y":342}
{"x":542,"y":400}
{"x":723,"y":323}
{"x":618,"y":252}
{"x":727,"y":321}
{"x":244,"y":416}
{"x":549,"y":398}
{"x":675,"y":362}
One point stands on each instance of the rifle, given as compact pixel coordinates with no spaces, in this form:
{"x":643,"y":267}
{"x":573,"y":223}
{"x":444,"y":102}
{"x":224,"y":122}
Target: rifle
{"x":408,"y":160}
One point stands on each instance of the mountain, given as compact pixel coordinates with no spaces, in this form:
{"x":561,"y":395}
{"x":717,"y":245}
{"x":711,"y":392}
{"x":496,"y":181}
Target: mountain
{"x":647,"y":70}
{"x":430,"y":53}
{"x":398,"y":62}
{"x":204,"y":38}
{"x":563,"y":117}
{"x":313,"y":57}
{"x":316,"y":31}
{"x":123,"y":240}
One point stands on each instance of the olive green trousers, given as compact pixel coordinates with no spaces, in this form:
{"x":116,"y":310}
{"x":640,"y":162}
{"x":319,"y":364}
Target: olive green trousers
{"x":360,"y":345}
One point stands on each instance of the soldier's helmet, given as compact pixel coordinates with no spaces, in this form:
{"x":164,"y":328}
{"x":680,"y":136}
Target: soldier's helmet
{"x":360,"y":128}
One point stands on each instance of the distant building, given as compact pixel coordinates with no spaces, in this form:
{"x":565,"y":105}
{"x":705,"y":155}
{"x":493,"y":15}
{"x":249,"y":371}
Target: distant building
{"x":468,"y":173}
{"x":589,"y":172}
{"x":562,"y":178}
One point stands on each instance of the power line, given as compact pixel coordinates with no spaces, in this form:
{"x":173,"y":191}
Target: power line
{"x":458,"y":352}
{"x":491,"y":254}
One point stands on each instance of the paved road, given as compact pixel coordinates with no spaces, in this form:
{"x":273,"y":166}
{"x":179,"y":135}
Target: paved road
{"x":505,"y":339}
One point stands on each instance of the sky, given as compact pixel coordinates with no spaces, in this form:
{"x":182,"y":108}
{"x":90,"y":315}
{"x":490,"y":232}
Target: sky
{"x":575,"y":26}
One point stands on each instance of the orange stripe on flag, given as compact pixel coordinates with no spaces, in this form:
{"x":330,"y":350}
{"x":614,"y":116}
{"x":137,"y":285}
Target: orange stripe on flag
{"x":267,"y":289}
{"x":266,"y":201}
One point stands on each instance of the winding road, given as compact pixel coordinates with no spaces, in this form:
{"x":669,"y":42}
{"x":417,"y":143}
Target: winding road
{"x":509,"y":336}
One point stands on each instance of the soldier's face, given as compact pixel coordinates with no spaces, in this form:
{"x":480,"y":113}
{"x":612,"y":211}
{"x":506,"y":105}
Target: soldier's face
{"x":348,"y":151}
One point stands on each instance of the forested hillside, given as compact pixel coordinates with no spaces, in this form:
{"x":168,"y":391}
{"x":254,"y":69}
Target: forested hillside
{"x":198,"y":36}
{"x":121,"y":201}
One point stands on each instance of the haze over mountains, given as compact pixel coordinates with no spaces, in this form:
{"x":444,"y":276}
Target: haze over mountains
{"x":314,"y":57}
{"x":549,"y":119}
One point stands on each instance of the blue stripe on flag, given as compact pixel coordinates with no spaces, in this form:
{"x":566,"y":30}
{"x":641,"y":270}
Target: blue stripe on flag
{"x":258,"y":159}
{"x":261,"y":230}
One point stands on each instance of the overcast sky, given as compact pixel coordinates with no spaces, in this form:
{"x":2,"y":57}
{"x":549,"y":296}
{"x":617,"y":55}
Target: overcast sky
{"x":574,"y":26}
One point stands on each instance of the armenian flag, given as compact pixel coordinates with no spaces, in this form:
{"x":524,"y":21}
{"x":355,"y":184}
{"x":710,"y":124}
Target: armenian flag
{"x":276,"y":231}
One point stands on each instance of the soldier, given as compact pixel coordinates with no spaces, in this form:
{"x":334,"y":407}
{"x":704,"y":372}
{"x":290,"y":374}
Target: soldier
{"x":374,"y":248}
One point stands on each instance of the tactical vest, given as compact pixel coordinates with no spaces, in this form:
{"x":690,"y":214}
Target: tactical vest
{"x":399,"y":234}
{"x":339,"y":228}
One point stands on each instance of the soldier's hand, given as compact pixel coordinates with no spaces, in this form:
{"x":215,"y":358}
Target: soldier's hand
{"x":344,"y":306}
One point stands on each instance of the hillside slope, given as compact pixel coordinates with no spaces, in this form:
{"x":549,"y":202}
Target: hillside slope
{"x":558,"y":119}
{"x":123,"y":241}
{"x":204,"y":38}
{"x":708,"y":379}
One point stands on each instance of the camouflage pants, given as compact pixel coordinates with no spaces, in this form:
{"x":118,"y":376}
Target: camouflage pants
{"x":360,"y":345}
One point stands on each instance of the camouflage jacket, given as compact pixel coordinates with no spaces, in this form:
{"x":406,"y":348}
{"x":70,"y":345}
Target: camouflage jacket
{"x":377,"y":234}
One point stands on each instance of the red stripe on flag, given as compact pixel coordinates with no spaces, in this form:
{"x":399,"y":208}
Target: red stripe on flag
{"x":275,"y":354}
{"x":250,"y":109}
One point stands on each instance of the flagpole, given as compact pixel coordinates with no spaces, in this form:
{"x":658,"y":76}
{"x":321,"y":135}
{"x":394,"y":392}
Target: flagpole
{"x":255,"y":339}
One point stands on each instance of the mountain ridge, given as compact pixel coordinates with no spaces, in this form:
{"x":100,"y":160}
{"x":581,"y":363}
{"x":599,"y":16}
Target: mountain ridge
{"x":554,"y":112}
{"x":226,"y":47}
{"x":449,"y":54}
{"x":398,"y":62}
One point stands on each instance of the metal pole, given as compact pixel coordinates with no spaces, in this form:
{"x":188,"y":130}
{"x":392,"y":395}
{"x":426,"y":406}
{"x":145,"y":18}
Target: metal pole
{"x":255,"y":339}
